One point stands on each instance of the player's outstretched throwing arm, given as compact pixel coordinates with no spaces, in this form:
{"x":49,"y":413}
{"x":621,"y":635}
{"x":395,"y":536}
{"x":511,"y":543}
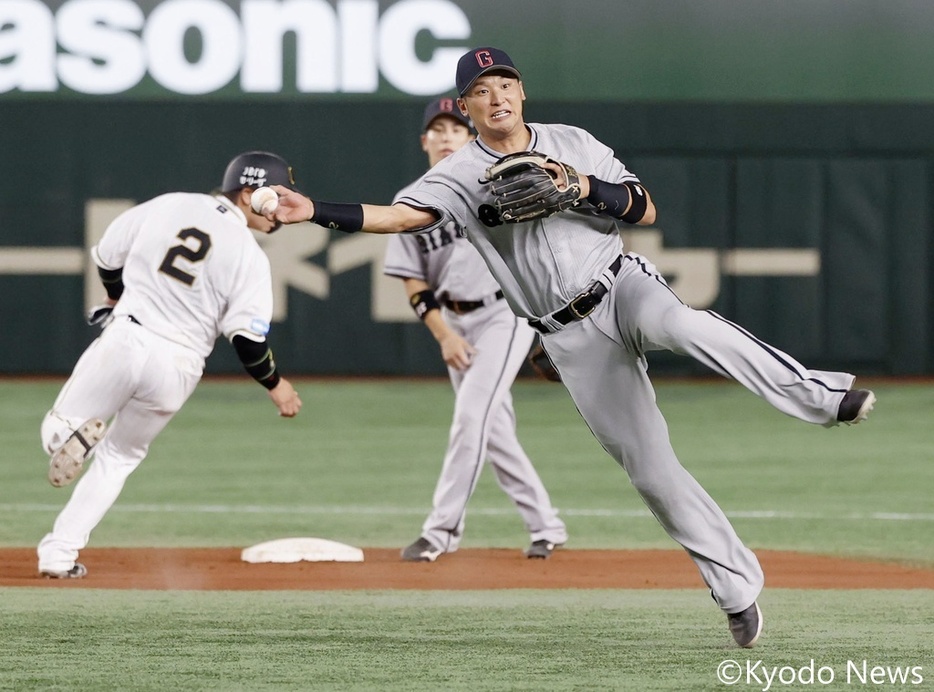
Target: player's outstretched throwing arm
{"x":295,"y":207}
{"x":522,"y":187}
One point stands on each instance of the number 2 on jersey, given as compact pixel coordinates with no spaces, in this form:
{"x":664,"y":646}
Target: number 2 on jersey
{"x":192,"y":255}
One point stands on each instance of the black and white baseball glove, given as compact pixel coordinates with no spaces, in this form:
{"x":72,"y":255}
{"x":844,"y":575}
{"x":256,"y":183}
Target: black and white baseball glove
{"x":529,"y":185}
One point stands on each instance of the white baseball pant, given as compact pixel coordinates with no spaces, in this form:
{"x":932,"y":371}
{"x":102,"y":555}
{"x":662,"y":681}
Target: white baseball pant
{"x":140,"y":380}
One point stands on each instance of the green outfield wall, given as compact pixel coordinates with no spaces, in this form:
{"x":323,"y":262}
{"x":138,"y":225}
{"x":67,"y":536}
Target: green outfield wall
{"x":789,"y":148}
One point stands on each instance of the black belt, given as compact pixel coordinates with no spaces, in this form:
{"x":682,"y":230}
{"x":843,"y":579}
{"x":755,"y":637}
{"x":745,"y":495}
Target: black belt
{"x":463,"y":306}
{"x":582,"y":304}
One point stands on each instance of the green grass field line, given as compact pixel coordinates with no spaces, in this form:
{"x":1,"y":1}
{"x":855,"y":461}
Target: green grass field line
{"x":503,"y":640}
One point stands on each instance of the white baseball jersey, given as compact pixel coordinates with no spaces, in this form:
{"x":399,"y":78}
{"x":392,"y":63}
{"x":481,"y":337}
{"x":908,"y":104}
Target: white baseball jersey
{"x":539,"y":265}
{"x":192,"y":270}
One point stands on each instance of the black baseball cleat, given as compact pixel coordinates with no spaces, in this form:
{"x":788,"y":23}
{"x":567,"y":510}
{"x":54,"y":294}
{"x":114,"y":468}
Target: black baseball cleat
{"x":421,"y":551}
{"x":746,"y":626}
{"x":855,"y":407}
{"x":541,"y":550}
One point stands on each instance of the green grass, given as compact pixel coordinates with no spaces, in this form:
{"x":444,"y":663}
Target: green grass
{"x":513,"y":640}
{"x":359,"y":466}
{"x":360,"y":462}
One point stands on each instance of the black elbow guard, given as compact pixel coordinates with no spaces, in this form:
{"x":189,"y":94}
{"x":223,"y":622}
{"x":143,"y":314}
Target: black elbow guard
{"x":639,"y":204}
{"x":113,"y":281}
{"x":624,"y":201}
{"x":257,"y":360}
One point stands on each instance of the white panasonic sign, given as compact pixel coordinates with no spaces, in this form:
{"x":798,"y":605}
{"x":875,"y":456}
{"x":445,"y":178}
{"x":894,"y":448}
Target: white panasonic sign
{"x":109,"y":46}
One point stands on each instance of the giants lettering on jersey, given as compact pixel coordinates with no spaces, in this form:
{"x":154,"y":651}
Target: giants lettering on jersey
{"x":439,"y":237}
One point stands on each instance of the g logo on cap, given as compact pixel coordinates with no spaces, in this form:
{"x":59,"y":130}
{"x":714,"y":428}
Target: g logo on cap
{"x":485,"y":59}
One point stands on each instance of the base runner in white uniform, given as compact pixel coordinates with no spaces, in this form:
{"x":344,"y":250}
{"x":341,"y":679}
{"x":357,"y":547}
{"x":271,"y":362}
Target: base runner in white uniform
{"x":484,"y":344}
{"x":600,"y":311}
{"x":179,"y":270}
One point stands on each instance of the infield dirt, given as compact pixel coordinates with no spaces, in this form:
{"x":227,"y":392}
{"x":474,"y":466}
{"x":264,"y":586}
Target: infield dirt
{"x":222,"y":569}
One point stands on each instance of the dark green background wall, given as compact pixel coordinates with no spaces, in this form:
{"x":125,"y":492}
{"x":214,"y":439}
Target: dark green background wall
{"x":853,"y":181}
{"x":754,"y":123}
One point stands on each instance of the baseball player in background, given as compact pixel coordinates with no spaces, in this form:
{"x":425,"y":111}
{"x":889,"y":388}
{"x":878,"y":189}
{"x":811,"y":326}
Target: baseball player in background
{"x":600,"y":310}
{"x":484,"y":344}
{"x":179,"y":271}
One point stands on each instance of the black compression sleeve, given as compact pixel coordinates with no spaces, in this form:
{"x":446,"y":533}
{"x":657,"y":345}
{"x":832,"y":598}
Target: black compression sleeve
{"x":257,"y":359}
{"x":340,"y":217}
{"x":113,"y":282}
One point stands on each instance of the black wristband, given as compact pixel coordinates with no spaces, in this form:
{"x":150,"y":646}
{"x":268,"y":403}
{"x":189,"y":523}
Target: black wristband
{"x":424,"y":302}
{"x":341,"y":217}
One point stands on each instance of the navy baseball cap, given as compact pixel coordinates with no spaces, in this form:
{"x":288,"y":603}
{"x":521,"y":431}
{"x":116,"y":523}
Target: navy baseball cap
{"x":445,"y":106}
{"x":478,"y":62}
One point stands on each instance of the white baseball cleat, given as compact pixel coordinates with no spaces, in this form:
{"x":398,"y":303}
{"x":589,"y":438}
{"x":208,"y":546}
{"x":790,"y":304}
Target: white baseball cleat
{"x":67,"y":461}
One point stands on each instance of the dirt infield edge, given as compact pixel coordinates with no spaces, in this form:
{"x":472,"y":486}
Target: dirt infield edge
{"x":222,"y":569}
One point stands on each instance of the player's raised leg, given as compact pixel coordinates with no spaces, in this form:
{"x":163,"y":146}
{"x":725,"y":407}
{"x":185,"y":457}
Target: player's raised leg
{"x":101,"y":382}
{"x":661,"y":321}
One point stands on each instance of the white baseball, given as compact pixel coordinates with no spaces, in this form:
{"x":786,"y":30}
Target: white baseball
{"x":264,"y":200}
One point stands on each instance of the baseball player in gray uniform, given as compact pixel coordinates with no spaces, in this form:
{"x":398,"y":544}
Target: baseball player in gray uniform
{"x":179,"y":271}
{"x":484,"y":344}
{"x":600,"y":311}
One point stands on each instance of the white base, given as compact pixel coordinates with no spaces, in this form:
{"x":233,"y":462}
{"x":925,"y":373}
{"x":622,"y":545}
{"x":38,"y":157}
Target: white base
{"x":299,"y":549}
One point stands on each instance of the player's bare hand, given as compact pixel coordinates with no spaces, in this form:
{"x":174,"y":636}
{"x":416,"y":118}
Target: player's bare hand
{"x":285,"y":398}
{"x":293,"y":206}
{"x":457,"y":352}
{"x":559,"y":173}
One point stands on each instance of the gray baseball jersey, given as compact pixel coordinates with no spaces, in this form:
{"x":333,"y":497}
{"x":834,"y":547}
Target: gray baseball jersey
{"x":443,"y":258}
{"x":543,"y":264}
{"x":484,"y":423}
